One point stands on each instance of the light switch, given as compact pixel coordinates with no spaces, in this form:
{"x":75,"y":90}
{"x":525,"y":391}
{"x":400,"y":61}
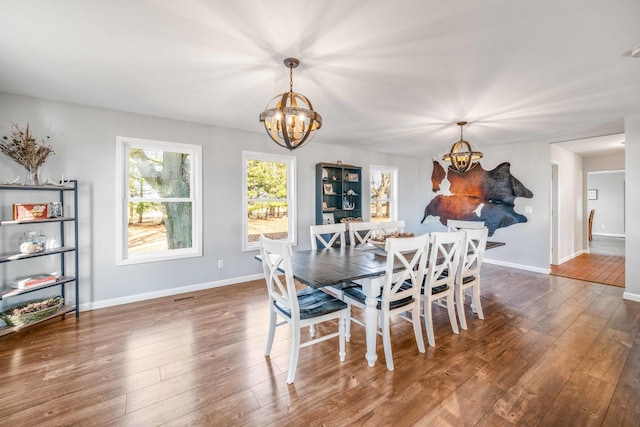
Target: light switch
{"x":528,"y":209}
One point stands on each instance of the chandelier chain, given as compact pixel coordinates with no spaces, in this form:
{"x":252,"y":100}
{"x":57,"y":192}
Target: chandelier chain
{"x":461,"y":124}
{"x":291,"y":79}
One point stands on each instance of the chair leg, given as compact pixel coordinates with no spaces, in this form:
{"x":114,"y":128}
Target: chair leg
{"x":476,"y":301}
{"x":417,"y":327}
{"x":428,"y":323}
{"x":341,"y":336}
{"x":386,"y":340}
{"x":272,"y":330}
{"x":348,"y":324}
{"x":459,"y":291}
{"x":452,"y":314}
{"x":295,"y":349}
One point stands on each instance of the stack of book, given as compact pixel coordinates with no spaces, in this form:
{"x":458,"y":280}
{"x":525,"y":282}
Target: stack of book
{"x":35,"y":280}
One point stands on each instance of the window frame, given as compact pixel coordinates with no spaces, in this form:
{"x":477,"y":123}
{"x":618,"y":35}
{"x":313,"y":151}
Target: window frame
{"x":123,"y":144}
{"x":393,"y":200}
{"x":291,"y":196}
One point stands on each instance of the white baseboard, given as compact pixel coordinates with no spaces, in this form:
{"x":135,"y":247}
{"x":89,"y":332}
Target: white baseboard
{"x":631,"y":297}
{"x":608,"y":234}
{"x":166,"y":292}
{"x":518,"y":266}
{"x":570,"y":257}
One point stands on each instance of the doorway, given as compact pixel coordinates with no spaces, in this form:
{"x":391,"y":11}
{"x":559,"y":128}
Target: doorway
{"x":573,"y":191}
{"x":604,"y":261}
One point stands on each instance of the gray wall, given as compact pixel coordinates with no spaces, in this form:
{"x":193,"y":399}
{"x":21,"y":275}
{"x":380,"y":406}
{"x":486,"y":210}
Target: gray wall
{"x":527,"y":244}
{"x":604,"y":163}
{"x":84,"y":141}
{"x":609,"y":205}
{"x":632,"y":206}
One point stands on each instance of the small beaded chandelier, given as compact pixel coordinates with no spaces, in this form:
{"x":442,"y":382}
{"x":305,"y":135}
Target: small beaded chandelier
{"x":291,"y":122}
{"x":461,"y":155}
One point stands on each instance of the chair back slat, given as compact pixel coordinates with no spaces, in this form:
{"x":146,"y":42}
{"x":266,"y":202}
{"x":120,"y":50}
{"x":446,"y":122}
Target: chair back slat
{"x":276,"y":264}
{"x":472,"y":253}
{"x":444,"y":257}
{"x":411,"y":254}
{"x":456,"y":224}
{"x":361,"y":232}
{"x":388,"y":227}
{"x":333,"y":232}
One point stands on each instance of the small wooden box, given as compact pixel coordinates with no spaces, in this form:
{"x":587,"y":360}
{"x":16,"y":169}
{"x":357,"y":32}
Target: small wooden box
{"x":30,"y":211}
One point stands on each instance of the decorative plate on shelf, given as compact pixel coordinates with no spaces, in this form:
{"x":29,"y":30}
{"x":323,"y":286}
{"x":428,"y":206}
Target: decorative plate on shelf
{"x":325,"y":174}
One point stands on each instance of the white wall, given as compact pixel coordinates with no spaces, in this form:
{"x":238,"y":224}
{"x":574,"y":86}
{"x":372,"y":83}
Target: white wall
{"x":632,"y":206}
{"x":570,"y":239}
{"x":609,"y":205}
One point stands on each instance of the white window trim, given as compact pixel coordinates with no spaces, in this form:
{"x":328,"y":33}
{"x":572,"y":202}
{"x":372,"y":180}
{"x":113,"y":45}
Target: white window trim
{"x":122,"y":191}
{"x":291,"y":195}
{"x":394,"y":188}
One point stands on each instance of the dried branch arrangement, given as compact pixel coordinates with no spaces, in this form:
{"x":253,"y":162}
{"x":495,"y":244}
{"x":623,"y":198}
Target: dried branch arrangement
{"x":25,"y":149}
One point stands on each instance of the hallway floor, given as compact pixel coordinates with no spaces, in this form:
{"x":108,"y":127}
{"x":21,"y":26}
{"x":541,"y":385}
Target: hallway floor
{"x":604,"y":264}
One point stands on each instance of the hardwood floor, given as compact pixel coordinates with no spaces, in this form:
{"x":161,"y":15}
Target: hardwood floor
{"x":551,"y":351}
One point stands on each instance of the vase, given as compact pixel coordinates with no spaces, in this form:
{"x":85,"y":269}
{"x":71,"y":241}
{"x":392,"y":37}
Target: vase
{"x":33,"y":176}
{"x":32,"y":242}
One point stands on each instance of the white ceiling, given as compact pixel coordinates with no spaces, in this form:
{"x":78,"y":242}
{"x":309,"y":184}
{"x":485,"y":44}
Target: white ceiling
{"x":596,"y":146}
{"x":387,"y":76}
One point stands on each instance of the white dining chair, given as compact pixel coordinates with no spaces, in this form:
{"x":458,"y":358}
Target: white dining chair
{"x":400,"y":290}
{"x":439,"y":283}
{"x":392,"y":226}
{"x":456,"y":224}
{"x":468,"y":273}
{"x":298,"y":308}
{"x":327,"y":235}
{"x":361,"y":232}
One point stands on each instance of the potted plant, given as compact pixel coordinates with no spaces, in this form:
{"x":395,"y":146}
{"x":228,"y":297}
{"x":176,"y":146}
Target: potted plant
{"x":27,"y":151}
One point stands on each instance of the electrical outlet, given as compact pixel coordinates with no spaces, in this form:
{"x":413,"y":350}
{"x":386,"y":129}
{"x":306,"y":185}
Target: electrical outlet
{"x":220,"y":263}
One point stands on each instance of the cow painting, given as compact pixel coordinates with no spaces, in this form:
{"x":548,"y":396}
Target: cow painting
{"x":477,"y":195}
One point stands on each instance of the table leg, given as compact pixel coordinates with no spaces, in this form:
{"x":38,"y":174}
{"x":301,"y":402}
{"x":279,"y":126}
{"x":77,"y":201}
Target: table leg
{"x":371,"y":288}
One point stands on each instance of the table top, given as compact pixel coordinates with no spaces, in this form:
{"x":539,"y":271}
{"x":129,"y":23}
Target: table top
{"x":332,"y":266}
{"x":324,"y":267}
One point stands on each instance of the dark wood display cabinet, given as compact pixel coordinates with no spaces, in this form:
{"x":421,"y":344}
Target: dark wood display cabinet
{"x":338,"y":192}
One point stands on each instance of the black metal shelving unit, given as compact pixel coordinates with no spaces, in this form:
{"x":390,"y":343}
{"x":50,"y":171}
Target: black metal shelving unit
{"x":65,"y":194}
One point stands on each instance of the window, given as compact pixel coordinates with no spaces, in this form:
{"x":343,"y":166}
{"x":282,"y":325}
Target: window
{"x":384,"y":204}
{"x":158,"y":193}
{"x":269,"y":206}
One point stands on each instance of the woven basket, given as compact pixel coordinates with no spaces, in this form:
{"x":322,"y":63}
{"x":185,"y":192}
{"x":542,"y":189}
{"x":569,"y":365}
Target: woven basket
{"x":53,"y":304}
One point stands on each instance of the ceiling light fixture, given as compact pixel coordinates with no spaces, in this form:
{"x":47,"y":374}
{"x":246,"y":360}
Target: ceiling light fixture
{"x":461,"y":155}
{"x":635,"y":53}
{"x":291,"y":122}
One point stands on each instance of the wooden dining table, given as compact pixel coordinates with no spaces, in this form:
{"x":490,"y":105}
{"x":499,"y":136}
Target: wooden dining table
{"x":319,"y":268}
{"x":332,"y":266}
